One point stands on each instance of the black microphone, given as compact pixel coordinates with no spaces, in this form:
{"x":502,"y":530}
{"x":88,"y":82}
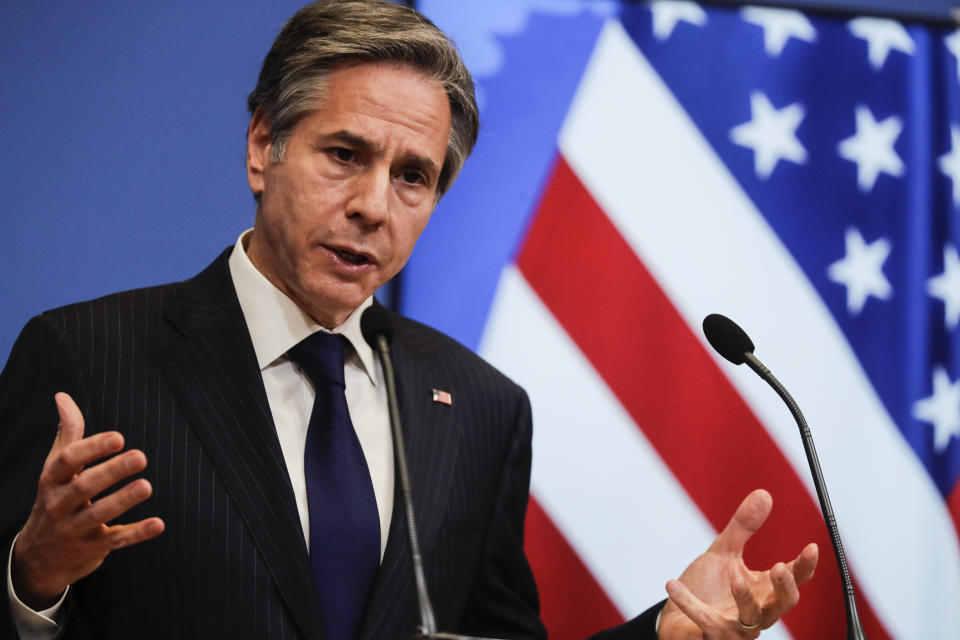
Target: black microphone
{"x":376,"y":325}
{"x":735,"y":345}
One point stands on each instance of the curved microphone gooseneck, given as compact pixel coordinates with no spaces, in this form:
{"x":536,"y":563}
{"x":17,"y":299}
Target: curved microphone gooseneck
{"x":732,"y":343}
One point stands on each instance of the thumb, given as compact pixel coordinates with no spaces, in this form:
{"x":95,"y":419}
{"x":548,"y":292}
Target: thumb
{"x":746,"y":520}
{"x":71,"y":425}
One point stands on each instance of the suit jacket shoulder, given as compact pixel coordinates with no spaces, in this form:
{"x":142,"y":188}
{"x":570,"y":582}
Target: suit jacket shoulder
{"x":172,"y":368}
{"x":445,"y":352}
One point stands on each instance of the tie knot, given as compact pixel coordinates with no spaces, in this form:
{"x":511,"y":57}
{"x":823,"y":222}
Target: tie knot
{"x":320,"y":355}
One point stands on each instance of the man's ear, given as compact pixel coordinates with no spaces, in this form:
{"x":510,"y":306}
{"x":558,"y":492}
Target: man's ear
{"x":259,"y":148}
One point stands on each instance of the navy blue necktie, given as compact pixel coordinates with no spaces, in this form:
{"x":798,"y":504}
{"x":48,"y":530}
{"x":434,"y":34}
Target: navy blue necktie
{"x":344,"y":522}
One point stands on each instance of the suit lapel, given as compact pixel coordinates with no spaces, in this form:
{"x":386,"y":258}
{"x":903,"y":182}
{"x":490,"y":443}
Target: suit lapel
{"x":431,"y":436}
{"x":213,"y":373}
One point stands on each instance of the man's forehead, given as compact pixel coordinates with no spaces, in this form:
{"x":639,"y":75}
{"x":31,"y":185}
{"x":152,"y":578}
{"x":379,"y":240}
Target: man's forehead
{"x":358,"y":101}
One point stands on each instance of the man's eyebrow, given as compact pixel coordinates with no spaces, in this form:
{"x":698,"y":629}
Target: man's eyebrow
{"x":349,"y":138}
{"x":359,"y":142}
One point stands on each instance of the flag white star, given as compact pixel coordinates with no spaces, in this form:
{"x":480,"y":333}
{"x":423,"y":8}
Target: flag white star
{"x":882,"y":36}
{"x":779,"y":25}
{"x":942,"y":409}
{"x":872,"y":148}
{"x":946,"y":286}
{"x":950,"y":162}
{"x":861,"y":270}
{"x":667,"y":13}
{"x":771,"y":133}
{"x":953,"y":45}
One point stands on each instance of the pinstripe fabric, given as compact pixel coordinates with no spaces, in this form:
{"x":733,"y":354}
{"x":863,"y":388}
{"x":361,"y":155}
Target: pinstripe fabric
{"x":469,"y":467}
{"x":173,"y":369}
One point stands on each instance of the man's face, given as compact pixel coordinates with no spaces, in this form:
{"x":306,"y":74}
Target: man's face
{"x":340,"y":214}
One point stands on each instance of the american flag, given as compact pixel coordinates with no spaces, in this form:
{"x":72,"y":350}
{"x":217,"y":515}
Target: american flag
{"x":644,"y":165}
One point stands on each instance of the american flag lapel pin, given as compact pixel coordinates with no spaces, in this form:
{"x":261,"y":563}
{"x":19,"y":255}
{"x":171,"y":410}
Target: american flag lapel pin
{"x":443,"y":397}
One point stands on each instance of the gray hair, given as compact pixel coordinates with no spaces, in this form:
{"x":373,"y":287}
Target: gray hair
{"x":328,"y":34}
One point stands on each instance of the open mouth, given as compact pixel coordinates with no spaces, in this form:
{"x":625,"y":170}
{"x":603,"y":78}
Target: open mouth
{"x":349,"y":256}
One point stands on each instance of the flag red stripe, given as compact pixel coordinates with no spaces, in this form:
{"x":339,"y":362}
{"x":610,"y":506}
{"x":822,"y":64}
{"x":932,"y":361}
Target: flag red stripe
{"x":953,"y":504}
{"x":572,"y":604}
{"x":599,"y":291}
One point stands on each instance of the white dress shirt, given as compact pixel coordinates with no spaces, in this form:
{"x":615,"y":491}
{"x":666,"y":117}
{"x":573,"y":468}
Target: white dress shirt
{"x":276,"y":324}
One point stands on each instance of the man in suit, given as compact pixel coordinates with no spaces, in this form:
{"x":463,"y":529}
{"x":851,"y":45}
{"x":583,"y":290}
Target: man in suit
{"x":362,"y":116}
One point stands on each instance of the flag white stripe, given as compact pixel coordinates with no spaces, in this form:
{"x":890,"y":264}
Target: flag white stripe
{"x":685,"y":216}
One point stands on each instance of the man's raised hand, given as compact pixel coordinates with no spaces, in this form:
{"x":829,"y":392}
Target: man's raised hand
{"x":67,"y":536}
{"x":718,"y":597}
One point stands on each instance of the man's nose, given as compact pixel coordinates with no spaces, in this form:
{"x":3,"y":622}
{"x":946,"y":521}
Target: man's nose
{"x":370,"y":202}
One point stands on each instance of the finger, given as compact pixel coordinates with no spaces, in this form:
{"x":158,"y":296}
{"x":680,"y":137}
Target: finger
{"x":101,"y":477}
{"x":70,"y":460}
{"x":785,"y":592}
{"x":124,"y":535}
{"x":701,"y":615}
{"x":70,"y":428}
{"x":804,"y":564}
{"x":748,"y":608}
{"x":114,"y":505}
{"x":746,"y":520}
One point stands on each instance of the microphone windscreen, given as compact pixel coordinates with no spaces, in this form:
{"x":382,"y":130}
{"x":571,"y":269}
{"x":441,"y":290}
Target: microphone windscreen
{"x":376,"y":321}
{"x":727,"y":338}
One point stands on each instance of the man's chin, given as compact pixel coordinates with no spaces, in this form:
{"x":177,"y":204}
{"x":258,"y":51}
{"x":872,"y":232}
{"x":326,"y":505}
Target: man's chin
{"x":332,"y":308}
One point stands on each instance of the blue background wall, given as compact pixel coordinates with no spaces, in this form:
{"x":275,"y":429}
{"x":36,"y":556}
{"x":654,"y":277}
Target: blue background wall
{"x":123,"y":131}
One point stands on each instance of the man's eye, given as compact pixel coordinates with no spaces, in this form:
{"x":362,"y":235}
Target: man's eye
{"x":343,"y":155}
{"x":413,"y":177}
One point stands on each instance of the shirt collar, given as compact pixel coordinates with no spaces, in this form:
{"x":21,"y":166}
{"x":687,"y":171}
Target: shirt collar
{"x":276,"y":323}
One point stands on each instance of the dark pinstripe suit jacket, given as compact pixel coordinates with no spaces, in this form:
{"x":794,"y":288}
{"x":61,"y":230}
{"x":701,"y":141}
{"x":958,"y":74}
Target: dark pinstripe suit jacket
{"x":173,"y":369}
